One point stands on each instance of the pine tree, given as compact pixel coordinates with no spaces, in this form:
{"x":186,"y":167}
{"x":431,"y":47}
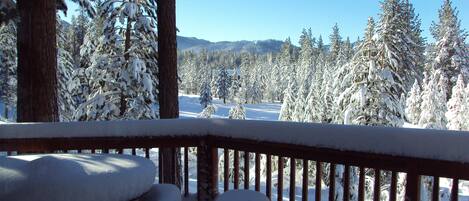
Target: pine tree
{"x":336,"y":43}
{"x":205,"y":94}
{"x":288,"y":106}
{"x":450,"y":52}
{"x":123,"y":76}
{"x":8,"y":66}
{"x":394,"y":41}
{"x":413,"y":104}
{"x":457,"y":107}
{"x":65,"y":67}
{"x":433,"y":106}
{"x":237,"y":112}
{"x":207,"y":112}
{"x":222,"y":84}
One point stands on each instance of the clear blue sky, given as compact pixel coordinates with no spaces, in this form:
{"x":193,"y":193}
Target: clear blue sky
{"x":232,"y":20}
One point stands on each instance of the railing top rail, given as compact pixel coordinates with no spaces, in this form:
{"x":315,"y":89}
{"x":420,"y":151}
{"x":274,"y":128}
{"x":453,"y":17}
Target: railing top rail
{"x":415,"y":143}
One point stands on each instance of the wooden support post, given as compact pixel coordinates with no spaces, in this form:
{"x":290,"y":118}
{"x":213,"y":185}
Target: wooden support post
{"x":207,"y":175}
{"x":168,"y":85}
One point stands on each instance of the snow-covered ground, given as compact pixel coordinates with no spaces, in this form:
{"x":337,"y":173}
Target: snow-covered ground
{"x":189,"y":107}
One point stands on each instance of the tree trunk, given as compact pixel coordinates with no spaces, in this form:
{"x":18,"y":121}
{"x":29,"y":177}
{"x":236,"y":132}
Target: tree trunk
{"x":127,"y":44}
{"x":6,"y":111}
{"x":37,"y":61}
{"x":168,"y":85}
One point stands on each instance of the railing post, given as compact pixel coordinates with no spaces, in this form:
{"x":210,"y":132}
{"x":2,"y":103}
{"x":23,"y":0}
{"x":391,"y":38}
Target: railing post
{"x":207,"y":172}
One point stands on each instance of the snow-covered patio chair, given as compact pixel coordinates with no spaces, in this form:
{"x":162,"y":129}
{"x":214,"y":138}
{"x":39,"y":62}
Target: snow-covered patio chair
{"x":81,"y":177}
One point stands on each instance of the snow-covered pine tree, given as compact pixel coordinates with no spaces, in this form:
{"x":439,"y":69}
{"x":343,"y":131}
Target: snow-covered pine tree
{"x":300,"y":104}
{"x":76,"y":36}
{"x":237,"y":112}
{"x":222,"y":84}
{"x":433,"y":106}
{"x":208,"y":112}
{"x":288,"y":106}
{"x":393,"y":44}
{"x":457,"y":107}
{"x":205,"y":94}
{"x":450,"y":52}
{"x":235,"y":86}
{"x":413,"y":104}
{"x":336,"y":44}
{"x":65,"y":66}
{"x":287,"y":67}
{"x":8,"y":66}
{"x":122,"y":75}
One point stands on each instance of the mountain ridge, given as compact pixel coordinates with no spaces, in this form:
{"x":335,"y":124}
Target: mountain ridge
{"x":257,"y":46}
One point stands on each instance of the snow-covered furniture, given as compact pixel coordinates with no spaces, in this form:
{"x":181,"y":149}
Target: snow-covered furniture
{"x":244,"y":195}
{"x":80,"y":177}
{"x":162,"y":192}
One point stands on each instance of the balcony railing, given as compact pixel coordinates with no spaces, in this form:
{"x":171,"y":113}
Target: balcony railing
{"x":416,"y":152}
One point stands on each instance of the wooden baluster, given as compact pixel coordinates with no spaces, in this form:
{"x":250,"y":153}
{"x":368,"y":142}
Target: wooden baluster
{"x":105,"y":151}
{"x":160,"y":166}
{"x":257,"y":171}
{"x":79,"y":151}
{"x":120,"y":151}
{"x":377,"y":188}
{"x":280,"y":179}
{"x":236,"y":169}
{"x":226,"y":169}
{"x":346,"y":183}
{"x":268,"y":182}
{"x":436,"y":189}
{"x":292,"y":178}
{"x":318,"y":180}
{"x":332,"y":182}
{"x":361,"y":185}
{"x":134,"y":151}
{"x":304,"y":193}
{"x":93,"y":151}
{"x":186,"y":171}
{"x":147,"y":152}
{"x":393,"y":192}
{"x":246,"y":170}
{"x":455,"y":190}
{"x":412,"y":191}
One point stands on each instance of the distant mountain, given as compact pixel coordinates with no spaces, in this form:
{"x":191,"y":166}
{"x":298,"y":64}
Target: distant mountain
{"x":196,"y":45}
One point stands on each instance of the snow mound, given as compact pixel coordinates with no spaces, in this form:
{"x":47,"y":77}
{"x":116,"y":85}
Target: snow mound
{"x":162,"y":192}
{"x":77,"y":177}
{"x":245,"y":195}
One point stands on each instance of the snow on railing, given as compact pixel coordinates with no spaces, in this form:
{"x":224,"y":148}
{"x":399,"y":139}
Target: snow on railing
{"x":419,"y":143}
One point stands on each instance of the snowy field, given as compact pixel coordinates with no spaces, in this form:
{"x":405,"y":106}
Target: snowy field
{"x":190,"y":108}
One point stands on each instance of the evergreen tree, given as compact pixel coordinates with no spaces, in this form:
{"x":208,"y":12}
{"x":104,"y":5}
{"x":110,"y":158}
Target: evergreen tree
{"x":336,"y":43}
{"x":205,"y":94}
{"x":433,"y":106}
{"x":288,"y":106}
{"x":207,"y":112}
{"x":8,"y":66}
{"x":457,"y":107}
{"x":413,"y":104}
{"x":122,"y":76}
{"x":450,"y":52}
{"x":222,"y":84}
{"x":237,"y":112}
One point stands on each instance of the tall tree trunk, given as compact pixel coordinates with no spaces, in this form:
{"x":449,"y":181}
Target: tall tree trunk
{"x":127,"y":44}
{"x":168,"y":85}
{"x":37,"y":61}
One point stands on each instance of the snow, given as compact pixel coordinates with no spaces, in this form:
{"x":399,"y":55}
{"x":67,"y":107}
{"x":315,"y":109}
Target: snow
{"x":435,"y":144}
{"x":189,"y":107}
{"x":246,"y":195}
{"x":81,"y":177}
{"x":162,"y":192}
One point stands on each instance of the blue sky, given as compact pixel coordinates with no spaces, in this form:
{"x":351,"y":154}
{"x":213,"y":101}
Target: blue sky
{"x":232,"y":20}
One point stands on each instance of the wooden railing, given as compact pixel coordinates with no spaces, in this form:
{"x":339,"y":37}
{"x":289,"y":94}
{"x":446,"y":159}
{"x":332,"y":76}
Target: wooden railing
{"x":250,"y":138}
